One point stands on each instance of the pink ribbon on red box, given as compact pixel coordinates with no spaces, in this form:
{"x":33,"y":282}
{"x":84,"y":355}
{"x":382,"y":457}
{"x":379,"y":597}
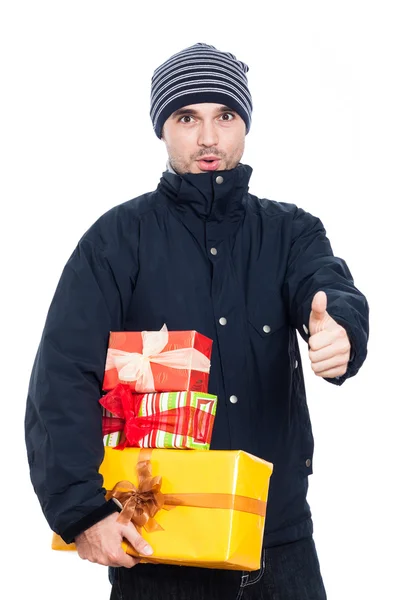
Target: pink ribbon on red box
{"x":133,"y":366}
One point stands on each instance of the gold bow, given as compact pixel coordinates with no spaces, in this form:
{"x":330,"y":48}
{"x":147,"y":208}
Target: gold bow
{"x":142,"y":503}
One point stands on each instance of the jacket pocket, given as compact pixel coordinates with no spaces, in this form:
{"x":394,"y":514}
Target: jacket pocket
{"x":267,"y":318}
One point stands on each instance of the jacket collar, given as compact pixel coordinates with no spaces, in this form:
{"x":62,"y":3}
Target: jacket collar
{"x":201,"y":195}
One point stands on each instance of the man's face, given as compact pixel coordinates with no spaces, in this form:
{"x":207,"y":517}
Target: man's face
{"x":204,"y":131}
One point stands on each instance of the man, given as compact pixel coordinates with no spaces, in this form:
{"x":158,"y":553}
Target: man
{"x":200,"y":253}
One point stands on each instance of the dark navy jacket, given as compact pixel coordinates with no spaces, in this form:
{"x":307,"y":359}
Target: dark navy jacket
{"x":200,"y":253}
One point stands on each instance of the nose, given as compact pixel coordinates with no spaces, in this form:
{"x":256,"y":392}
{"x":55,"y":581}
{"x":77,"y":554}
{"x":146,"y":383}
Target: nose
{"x":208,"y":135}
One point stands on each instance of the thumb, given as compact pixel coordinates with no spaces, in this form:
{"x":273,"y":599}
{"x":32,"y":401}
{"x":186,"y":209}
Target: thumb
{"x":319,"y":306}
{"x":319,"y":317}
{"x":136,"y":540}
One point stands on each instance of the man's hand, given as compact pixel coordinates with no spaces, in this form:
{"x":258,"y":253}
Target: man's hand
{"x":329,"y":343}
{"x":101,"y":543}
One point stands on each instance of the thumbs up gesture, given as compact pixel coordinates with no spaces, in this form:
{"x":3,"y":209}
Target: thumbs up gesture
{"x":329,"y":343}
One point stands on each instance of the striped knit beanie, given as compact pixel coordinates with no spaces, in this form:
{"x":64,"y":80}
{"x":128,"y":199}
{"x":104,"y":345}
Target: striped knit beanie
{"x":200,"y":73}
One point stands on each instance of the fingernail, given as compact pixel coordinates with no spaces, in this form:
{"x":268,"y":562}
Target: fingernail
{"x":147,"y":549}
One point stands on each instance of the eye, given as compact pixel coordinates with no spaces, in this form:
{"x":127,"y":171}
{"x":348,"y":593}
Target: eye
{"x":185,"y":117}
{"x":231,"y":115}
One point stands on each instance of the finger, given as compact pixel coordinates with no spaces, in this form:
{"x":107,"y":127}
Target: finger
{"x":125,"y":560}
{"x":340,"y":346}
{"x":331,"y":373}
{"x":335,"y":362}
{"x":112,"y":557}
{"x":136,"y":540}
{"x":122,"y":562}
{"x":321,"y":339}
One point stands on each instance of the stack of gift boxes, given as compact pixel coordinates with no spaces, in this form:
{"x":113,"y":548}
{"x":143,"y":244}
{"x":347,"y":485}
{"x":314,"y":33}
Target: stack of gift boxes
{"x":195,"y":506}
{"x":157,"y":384}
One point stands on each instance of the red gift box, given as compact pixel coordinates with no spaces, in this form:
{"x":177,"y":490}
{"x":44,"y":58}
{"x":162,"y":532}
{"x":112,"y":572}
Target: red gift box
{"x":158,"y":361}
{"x":160,"y":419}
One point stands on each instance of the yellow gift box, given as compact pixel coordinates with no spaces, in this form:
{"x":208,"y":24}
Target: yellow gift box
{"x":214,"y":505}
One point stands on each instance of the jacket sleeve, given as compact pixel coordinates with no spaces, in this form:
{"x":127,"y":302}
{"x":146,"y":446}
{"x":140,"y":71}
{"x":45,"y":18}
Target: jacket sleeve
{"x":313,"y":267}
{"x":63,"y":416}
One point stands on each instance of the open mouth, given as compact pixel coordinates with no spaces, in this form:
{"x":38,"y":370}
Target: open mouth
{"x":209,"y":164}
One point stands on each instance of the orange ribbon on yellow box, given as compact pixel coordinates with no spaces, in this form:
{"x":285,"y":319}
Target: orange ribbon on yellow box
{"x":142,"y":503}
{"x":213,"y":529}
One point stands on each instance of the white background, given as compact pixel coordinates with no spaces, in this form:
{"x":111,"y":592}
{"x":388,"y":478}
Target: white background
{"x":76,"y":139}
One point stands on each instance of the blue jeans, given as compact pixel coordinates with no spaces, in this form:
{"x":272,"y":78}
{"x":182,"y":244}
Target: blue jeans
{"x":288,"y":572}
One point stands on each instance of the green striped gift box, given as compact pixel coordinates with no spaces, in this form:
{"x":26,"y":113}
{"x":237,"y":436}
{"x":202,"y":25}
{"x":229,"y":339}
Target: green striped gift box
{"x":193,"y":431}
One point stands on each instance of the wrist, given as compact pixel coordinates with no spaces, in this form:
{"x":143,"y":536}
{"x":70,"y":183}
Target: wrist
{"x":103,"y":511}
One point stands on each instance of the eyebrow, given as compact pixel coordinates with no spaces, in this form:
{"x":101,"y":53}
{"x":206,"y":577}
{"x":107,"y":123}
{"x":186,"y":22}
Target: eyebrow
{"x":191,"y":111}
